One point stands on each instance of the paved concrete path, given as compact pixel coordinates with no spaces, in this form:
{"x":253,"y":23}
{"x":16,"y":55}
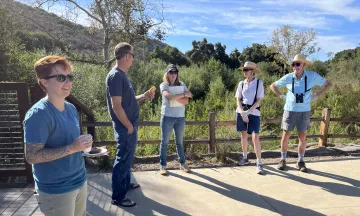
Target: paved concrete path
{"x":330,"y":188}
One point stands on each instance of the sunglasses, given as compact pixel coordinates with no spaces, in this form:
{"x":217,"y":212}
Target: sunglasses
{"x":173,"y":72}
{"x":247,"y":69}
{"x":297,"y":64}
{"x":131,"y":54}
{"x":61,"y":77}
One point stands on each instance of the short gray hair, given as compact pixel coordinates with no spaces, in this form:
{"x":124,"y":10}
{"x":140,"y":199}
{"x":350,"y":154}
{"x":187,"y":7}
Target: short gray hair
{"x":121,"y":49}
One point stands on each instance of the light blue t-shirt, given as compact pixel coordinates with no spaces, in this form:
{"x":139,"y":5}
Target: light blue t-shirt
{"x":168,"y":111}
{"x":45,"y":124}
{"x":313,"y":79}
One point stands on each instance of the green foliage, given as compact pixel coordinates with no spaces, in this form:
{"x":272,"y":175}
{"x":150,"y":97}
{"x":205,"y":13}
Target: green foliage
{"x":320,"y":67}
{"x":171,"y":55}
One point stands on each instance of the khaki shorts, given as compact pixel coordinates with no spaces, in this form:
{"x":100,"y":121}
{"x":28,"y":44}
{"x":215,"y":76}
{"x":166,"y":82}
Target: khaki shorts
{"x":72,"y":203}
{"x":299,"y":119}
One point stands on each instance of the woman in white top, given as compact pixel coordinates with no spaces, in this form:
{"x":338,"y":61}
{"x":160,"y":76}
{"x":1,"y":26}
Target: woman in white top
{"x":175,"y":96}
{"x":248,"y":97}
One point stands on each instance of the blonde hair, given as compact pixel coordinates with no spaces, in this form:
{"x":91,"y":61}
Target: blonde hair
{"x":166,"y":79}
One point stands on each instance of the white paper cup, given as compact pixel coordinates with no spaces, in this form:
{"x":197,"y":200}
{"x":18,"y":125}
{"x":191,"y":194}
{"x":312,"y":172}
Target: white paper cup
{"x":88,"y":139}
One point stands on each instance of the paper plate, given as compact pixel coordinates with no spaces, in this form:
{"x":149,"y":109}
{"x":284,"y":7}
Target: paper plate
{"x":104,"y":151}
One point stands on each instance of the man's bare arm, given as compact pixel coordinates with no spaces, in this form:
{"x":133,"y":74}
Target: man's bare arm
{"x":325,"y":88}
{"x":275,"y":90}
{"x":36,"y":153}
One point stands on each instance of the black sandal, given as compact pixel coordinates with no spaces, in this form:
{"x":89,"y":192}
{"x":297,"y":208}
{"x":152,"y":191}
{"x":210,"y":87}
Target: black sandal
{"x":126,"y":202}
{"x":134,"y":185}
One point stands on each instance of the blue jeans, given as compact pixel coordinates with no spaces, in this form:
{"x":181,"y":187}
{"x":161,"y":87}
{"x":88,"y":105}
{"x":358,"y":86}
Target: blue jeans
{"x":167,"y":125}
{"x":125,"y":153}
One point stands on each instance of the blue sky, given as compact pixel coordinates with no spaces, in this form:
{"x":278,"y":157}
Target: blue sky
{"x":238,"y":24}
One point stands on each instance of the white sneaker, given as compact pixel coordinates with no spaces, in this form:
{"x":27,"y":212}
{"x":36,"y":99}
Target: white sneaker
{"x":163,"y":170}
{"x":260,"y":169}
{"x":243,"y":162}
{"x":185,"y":168}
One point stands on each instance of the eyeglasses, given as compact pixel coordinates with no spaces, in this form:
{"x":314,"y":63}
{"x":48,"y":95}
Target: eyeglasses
{"x":247,"y":69}
{"x":61,"y":77}
{"x":131,"y":54}
{"x":297,"y":64}
{"x":173,"y":72}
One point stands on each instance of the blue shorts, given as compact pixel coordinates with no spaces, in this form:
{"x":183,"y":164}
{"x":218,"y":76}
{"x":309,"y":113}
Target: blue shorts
{"x":253,"y":126}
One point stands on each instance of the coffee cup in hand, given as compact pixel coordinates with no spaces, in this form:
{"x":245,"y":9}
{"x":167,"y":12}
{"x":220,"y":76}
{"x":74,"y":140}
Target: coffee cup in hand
{"x":88,"y":139}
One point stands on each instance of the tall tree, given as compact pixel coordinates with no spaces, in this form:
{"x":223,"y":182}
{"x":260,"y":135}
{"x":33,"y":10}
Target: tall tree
{"x":288,"y":42}
{"x":119,"y":20}
{"x":202,"y":51}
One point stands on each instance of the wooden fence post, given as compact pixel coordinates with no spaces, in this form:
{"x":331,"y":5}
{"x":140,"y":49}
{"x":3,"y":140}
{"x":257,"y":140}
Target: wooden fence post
{"x":324,"y":127}
{"x":212,"y":137}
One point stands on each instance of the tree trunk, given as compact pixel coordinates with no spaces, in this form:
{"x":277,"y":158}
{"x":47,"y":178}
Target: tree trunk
{"x":106,"y":48}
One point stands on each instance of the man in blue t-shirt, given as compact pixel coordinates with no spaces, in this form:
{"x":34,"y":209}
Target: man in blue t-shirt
{"x":124,"y":111}
{"x":53,"y":143}
{"x":298,"y":105}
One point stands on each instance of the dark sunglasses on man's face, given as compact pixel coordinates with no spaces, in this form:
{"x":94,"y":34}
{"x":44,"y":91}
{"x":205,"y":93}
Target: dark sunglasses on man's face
{"x":61,"y":77}
{"x":247,"y":69}
{"x":173,"y":72}
{"x":297,"y":64}
{"x":131,"y":54}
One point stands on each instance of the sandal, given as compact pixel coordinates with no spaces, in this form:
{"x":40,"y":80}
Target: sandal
{"x":134,"y":185}
{"x":126,"y":202}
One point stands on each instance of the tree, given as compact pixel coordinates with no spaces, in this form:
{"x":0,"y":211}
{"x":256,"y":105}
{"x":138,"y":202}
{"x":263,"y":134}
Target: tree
{"x":170,"y":55}
{"x":220,"y":53}
{"x":202,"y":51}
{"x":289,"y":42}
{"x":119,"y":20}
{"x":234,"y":59}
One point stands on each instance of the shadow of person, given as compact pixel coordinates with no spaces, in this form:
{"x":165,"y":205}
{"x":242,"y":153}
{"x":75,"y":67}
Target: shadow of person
{"x":249,"y":197}
{"x":101,"y":185}
{"x":331,"y":187}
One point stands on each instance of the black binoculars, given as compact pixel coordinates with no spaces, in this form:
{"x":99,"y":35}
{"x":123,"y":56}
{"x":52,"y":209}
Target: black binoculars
{"x":299,"y":98}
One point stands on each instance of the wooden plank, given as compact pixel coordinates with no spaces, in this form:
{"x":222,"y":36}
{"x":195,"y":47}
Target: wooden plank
{"x":9,"y":117}
{"x":11,"y":134}
{"x":9,"y":112}
{"x":348,"y":136}
{"x":345,"y":120}
{"x":142,"y":142}
{"x":9,"y":123}
{"x":212,"y":132}
{"x":80,"y":106}
{"x":11,"y":129}
{"x":263,"y":138}
{"x":324,"y":127}
{"x":141,"y":124}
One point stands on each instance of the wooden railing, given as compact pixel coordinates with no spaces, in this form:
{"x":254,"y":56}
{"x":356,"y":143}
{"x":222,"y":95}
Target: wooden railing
{"x":213,"y":124}
{"x":37,"y":93}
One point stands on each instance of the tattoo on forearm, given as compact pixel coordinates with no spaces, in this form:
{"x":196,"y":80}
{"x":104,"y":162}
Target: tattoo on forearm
{"x":36,"y":153}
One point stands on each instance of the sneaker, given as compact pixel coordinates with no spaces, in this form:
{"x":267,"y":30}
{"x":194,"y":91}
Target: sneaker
{"x":301,"y":166}
{"x":260,"y":169}
{"x":243,"y":162}
{"x":163,"y":170}
{"x":185,"y":168}
{"x":282,"y":164}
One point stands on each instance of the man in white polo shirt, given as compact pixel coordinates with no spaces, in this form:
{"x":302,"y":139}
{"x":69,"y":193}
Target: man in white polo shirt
{"x":297,"y":107}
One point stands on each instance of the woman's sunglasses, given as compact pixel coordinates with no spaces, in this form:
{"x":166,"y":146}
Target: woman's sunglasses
{"x":173,"y":72}
{"x":61,"y":77}
{"x":297,"y":64}
{"x":247,"y":69}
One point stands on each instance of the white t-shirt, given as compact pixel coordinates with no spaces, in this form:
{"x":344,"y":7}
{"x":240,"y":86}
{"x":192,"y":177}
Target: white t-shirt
{"x":248,"y":93}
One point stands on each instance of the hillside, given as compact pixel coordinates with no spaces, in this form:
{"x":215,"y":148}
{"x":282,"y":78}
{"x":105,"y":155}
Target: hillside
{"x":35,"y":21}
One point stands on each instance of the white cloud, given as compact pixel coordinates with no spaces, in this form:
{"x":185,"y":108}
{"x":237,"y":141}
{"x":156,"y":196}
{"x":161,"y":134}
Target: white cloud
{"x":335,"y":43}
{"x":335,"y":7}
